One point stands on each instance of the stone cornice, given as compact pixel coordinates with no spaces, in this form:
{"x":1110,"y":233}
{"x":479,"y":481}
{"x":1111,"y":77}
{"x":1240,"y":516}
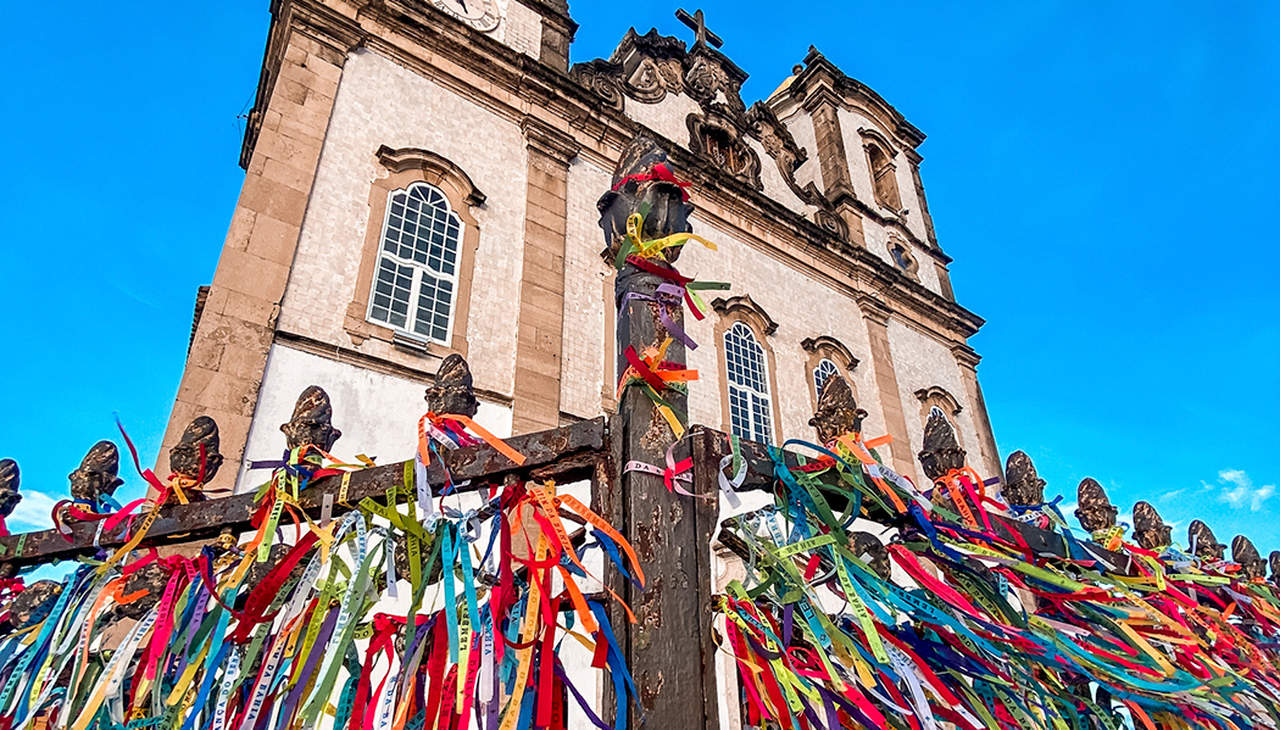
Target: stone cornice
{"x":819,"y":72}
{"x":513,"y":84}
{"x":548,"y":140}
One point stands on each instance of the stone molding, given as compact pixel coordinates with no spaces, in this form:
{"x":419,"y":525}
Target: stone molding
{"x":936,"y":395}
{"x":542,"y":137}
{"x":745,"y":307}
{"x":431,"y":164}
{"x":406,"y":166}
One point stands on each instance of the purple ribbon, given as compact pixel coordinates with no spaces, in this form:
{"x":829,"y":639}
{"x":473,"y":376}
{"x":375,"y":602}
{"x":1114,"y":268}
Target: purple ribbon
{"x":667,"y":294}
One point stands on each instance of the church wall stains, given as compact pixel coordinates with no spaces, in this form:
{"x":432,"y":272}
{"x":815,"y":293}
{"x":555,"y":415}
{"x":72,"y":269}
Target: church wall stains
{"x":380,"y":102}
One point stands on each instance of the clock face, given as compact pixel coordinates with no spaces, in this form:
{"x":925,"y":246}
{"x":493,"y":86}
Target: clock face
{"x":479,"y":14}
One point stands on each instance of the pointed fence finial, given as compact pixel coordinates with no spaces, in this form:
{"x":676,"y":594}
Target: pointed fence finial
{"x":196,"y":456}
{"x":1243,"y":552}
{"x":1095,"y":511}
{"x":452,"y":393}
{"x":1149,"y":530}
{"x":1201,"y":541}
{"x":1023,"y":487}
{"x":312,"y":421}
{"x":838,"y":413}
{"x":941,"y":453}
{"x":10,"y":479}
{"x":96,"y":477}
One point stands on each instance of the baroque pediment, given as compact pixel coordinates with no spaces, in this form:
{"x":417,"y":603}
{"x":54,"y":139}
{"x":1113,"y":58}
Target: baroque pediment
{"x":645,"y":69}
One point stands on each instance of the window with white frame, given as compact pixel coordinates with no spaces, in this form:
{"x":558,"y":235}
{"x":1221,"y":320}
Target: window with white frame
{"x":822,"y":373}
{"x":750,"y":413}
{"x":937,"y":411}
{"x":417,"y":276}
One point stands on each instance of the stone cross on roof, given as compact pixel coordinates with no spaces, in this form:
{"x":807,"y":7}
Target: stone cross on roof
{"x":698,"y":22}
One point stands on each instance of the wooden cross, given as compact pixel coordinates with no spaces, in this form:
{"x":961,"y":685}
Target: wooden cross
{"x":698,"y":23}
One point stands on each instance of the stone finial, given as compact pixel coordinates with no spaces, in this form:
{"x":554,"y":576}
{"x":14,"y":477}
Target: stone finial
{"x":1203,"y":543}
{"x":838,"y":413}
{"x":1023,"y":487}
{"x":1274,"y":559}
{"x":185,"y":458}
{"x":941,"y":452}
{"x":869,"y":548}
{"x":9,"y":482}
{"x":312,"y":421}
{"x":152,"y":578}
{"x":1149,"y":531}
{"x":639,"y":186}
{"x":97,"y":475}
{"x":452,"y":391}
{"x":33,"y":604}
{"x":1095,"y":510}
{"x":1244,"y":553}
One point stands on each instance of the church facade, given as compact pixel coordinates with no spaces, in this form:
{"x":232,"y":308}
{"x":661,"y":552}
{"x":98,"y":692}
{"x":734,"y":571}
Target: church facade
{"x":422,"y":177}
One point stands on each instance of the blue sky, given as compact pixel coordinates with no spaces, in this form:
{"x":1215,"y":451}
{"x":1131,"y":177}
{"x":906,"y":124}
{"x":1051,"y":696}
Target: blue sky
{"x":1103,"y":175}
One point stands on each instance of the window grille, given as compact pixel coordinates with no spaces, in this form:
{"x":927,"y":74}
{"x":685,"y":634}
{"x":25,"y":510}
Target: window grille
{"x":750,"y":414}
{"x":417,"y":275}
{"x":822,"y":373}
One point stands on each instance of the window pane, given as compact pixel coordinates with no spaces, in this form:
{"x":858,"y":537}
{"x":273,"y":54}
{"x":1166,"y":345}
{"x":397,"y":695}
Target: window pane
{"x":822,"y":373}
{"x":421,"y":238}
{"x":749,"y":409}
{"x":391,"y":293}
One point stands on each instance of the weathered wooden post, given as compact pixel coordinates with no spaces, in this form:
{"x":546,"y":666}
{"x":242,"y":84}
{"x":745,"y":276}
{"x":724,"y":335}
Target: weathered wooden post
{"x":671,"y":533}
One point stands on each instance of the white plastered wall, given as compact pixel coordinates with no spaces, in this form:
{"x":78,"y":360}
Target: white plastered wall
{"x":921,"y":361}
{"x":377,"y":413}
{"x":803,"y":307}
{"x":380,"y":103}
{"x":584,"y":349}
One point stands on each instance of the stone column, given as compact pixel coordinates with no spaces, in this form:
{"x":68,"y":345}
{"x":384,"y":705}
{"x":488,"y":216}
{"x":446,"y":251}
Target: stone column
{"x":236,"y":325}
{"x":876,"y":316}
{"x":541,"y":322}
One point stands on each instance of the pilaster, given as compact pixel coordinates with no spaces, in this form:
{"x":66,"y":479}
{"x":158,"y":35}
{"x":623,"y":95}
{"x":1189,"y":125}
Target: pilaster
{"x":540,"y":324}
{"x":876,"y":315}
{"x":968,"y":361}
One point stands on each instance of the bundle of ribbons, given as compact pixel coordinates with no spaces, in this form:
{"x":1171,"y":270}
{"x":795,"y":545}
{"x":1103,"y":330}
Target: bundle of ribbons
{"x":307,"y":624}
{"x":964,"y":625}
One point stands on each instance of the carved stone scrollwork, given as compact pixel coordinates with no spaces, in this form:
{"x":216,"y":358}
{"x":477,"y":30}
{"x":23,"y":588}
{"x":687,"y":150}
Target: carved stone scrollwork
{"x":1274,"y":560}
{"x":452,"y":392}
{"x":312,"y":421}
{"x":717,"y":138}
{"x":1203,"y":543}
{"x":832,"y":222}
{"x":1023,"y":486}
{"x":601,"y":77}
{"x":1149,"y":530}
{"x":777,"y":140}
{"x":709,"y":80}
{"x":838,"y":413}
{"x":941,"y":453}
{"x":1243,"y":552}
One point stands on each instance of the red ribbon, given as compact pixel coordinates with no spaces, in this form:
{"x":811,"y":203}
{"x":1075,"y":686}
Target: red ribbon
{"x":660,"y":173}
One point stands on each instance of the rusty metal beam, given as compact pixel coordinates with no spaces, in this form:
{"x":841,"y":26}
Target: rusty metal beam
{"x":565,"y":454}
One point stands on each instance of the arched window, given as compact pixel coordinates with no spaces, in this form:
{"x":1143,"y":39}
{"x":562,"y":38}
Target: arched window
{"x":750,"y":412}
{"x":903,"y":259}
{"x":884,"y":176}
{"x":417,"y":273}
{"x":825,"y":370}
{"x":936,"y":411}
